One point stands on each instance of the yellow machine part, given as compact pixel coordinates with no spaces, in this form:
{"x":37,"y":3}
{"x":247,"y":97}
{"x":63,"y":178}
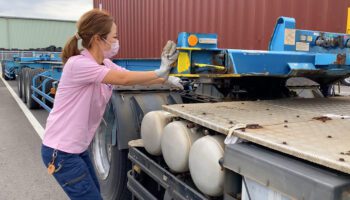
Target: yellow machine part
{"x":183,"y":62}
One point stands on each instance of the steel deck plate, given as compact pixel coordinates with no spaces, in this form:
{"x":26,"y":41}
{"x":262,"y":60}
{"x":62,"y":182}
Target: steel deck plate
{"x":291,"y":126}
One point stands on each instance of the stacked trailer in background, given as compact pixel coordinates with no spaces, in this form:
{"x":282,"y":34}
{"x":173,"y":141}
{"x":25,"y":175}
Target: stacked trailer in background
{"x":26,"y":67}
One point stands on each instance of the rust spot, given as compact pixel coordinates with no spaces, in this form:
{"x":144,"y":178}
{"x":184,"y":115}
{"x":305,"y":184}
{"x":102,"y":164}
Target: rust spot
{"x":284,"y":142}
{"x":267,"y":109}
{"x":230,"y":122}
{"x":341,"y":57}
{"x":285,"y":121}
{"x":342,"y":153}
{"x":242,"y":103}
{"x":285,"y":126}
{"x":298,"y":116}
{"x":253,"y":126}
{"x":204,"y":113}
{"x":190,"y":125}
{"x":342,"y":159}
{"x":322,"y":118}
{"x":182,"y":106}
{"x":329,"y":136}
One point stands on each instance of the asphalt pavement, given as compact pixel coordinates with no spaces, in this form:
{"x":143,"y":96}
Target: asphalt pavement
{"x":22,"y":172}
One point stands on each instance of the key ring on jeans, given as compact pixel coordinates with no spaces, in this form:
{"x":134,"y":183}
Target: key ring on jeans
{"x":54,"y":153}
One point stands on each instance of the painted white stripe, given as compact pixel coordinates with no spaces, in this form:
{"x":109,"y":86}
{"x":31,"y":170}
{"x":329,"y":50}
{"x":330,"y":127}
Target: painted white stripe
{"x":35,"y":123}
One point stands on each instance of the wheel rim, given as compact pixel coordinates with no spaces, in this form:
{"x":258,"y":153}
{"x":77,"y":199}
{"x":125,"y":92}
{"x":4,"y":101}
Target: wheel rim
{"x":102,"y":150}
{"x":347,"y":80}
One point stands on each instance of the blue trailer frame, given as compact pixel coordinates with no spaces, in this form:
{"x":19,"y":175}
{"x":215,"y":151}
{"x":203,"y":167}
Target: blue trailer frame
{"x":39,"y":60}
{"x":321,"y":56}
{"x":41,"y":97}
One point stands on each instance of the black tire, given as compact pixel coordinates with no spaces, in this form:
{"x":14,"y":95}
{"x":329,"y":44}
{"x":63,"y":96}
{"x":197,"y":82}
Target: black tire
{"x":346,"y":81}
{"x":24,"y":84}
{"x":31,"y":103}
{"x":19,"y":84}
{"x":13,"y":77}
{"x":111,"y":164}
{"x":3,"y":71}
{"x":327,"y":90}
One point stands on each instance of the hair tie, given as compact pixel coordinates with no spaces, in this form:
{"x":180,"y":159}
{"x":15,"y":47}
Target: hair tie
{"x":77,"y":36}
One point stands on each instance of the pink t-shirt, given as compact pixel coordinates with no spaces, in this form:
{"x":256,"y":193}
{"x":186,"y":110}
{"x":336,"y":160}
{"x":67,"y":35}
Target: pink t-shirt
{"x":79,"y":104}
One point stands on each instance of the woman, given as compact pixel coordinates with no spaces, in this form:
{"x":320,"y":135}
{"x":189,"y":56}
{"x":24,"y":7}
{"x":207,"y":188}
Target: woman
{"x":83,"y":92}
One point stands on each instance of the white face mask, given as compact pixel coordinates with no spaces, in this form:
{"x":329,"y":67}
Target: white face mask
{"x":113,"y":51}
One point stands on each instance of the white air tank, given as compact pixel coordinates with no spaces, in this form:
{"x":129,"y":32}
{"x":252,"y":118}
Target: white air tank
{"x":152,"y":127}
{"x":205,"y":169}
{"x":177,"y":139}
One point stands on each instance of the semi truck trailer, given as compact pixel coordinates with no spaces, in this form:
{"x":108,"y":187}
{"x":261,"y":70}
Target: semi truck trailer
{"x":250,"y":124}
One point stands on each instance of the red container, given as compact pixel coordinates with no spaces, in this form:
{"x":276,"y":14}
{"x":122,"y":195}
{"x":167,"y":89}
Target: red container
{"x":145,"y":25}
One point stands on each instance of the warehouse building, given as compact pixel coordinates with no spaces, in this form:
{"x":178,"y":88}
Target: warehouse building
{"x":30,"y":33}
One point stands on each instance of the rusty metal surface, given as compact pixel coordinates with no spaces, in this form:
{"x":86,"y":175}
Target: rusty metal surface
{"x":316,"y":130}
{"x":145,"y":25}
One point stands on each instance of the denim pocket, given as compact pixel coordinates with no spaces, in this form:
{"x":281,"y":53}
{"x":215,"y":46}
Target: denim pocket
{"x":72,"y":174}
{"x":77,"y":185}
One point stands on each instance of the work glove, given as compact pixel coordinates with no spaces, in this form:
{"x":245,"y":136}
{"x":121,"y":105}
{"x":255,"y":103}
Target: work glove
{"x":174,"y":82}
{"x":169,"y":56}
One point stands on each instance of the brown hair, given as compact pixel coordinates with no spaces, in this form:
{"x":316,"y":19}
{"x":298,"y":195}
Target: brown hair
{"x":93,"y":22}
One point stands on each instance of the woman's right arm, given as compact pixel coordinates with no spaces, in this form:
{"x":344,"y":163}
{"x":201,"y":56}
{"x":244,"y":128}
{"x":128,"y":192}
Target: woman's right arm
{"x":116,"y":77}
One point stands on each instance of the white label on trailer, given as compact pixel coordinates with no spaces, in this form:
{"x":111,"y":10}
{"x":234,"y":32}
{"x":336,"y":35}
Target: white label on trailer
{"x":289,"y":36}
{"x":208,"y":40}
{"x":302,"y":46}
{"x":302,"y":37}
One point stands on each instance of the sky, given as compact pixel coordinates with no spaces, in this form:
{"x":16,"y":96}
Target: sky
{"x":47,"y":9}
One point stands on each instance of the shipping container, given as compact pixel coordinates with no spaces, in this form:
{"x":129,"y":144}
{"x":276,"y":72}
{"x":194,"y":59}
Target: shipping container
{"x":145,"y":25}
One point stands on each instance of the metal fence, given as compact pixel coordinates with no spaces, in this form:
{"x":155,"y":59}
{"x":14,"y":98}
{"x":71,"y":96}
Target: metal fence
{"x":8,"y":55}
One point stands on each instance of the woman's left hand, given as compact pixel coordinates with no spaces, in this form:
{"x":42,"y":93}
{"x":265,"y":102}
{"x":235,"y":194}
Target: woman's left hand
{"x":174,"y":82}
{"x":168,"y":57}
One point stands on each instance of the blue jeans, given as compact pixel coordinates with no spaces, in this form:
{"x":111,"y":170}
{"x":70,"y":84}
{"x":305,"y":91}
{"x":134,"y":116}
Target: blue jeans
{"x":74,"y":173}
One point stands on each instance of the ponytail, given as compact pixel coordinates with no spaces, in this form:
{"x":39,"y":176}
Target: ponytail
{"x":93,"y":22}
{"x":70,"y":49}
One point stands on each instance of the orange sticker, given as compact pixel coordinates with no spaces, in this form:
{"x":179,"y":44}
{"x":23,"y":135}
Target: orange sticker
{"x":192,"y":40}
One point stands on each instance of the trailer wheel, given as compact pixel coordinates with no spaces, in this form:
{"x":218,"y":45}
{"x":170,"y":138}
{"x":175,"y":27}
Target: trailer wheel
{"x":346,"y":81}
{"x":19,"y":84}
{"x":3,"y":71}
{"x":110,"y":163}
{"x":327,"y":90}
{"x":24,"y":83}
{"x":31,"y":103}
